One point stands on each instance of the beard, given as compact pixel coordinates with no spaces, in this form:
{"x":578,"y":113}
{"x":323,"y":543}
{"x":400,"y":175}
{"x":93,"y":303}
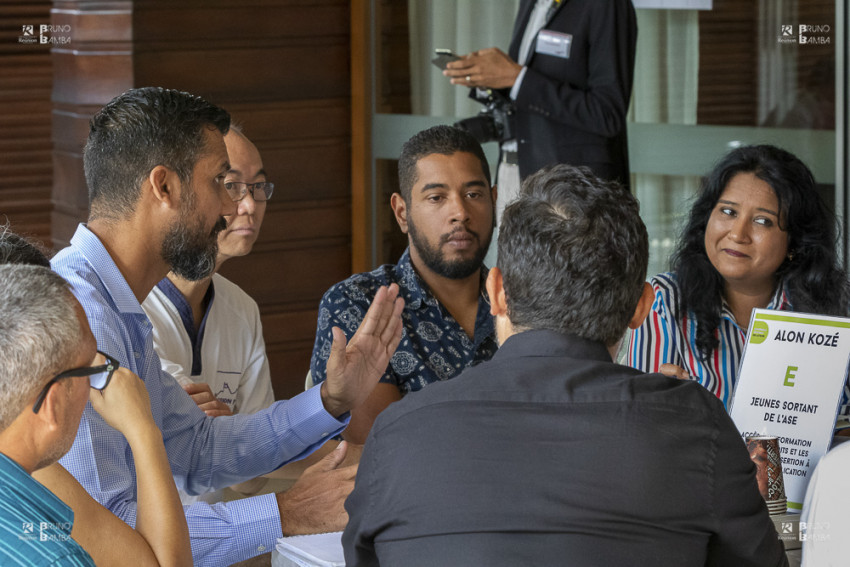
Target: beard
{"x":435,"y":259}
{"x":188,"y":249}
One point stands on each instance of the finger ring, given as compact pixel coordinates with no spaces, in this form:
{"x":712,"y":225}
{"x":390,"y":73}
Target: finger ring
{"x":468,"y":78}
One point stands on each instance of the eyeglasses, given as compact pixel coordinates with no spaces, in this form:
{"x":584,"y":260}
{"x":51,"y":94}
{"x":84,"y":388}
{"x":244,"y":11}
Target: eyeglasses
{"x":99,"y":377}
{"x":237,"y":190}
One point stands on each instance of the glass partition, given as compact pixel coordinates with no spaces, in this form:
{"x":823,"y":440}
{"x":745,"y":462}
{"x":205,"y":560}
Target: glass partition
{"x":706,"y":81}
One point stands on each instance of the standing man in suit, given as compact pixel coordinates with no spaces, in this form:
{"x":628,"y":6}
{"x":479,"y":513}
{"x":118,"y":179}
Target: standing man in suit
{"x":568,"y":73}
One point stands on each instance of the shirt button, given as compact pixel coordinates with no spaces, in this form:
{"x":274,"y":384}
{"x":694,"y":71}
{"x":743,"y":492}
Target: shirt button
{"x":136,"y":354}
{"x":261,"y":548}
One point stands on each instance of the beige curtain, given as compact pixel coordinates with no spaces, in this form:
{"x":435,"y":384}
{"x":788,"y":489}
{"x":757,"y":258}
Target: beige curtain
{"x":665,"y":91}
{"x":777,"y":71}
{"x":459,"y":25}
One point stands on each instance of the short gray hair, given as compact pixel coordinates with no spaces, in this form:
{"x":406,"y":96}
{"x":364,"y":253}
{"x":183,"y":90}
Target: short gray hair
{"x":573,"y":252}
{"x":39,"y":332}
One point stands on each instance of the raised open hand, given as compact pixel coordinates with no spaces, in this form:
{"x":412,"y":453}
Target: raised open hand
{"x":354,"y":369}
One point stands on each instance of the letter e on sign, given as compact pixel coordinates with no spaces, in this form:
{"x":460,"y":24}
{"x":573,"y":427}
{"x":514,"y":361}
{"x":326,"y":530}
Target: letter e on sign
{"x":789,"y":376}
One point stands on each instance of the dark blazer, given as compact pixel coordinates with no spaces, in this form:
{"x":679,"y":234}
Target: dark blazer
{"x":551,"y":454}
{"x":574,"y":110}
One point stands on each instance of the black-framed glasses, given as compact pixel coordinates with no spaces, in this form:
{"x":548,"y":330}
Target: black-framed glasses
{"x":99,"y":377}
{"x":261,"y":191}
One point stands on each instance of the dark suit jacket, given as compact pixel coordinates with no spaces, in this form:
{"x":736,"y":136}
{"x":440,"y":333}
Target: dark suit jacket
{"x":574,"y":110}
{"x":550,"y":454}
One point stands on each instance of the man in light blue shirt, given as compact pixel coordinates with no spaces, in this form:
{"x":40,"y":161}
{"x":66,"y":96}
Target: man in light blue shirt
{"x":155,"y":163}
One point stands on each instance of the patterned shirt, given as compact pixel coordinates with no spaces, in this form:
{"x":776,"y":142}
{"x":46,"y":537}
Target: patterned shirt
{"x":435,"y":347}
{"x":667,"y":337}
{"x":35,"y":524}
{"x":204,"y":453}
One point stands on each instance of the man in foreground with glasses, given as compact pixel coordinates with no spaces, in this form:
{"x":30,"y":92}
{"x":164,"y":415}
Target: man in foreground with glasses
{"x":47,"y":363}
{"x":208,"y":332}
{"x":155,"y":164}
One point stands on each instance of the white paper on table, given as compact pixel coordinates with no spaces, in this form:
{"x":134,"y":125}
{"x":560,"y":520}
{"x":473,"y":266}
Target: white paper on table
{"x":317,"y":550}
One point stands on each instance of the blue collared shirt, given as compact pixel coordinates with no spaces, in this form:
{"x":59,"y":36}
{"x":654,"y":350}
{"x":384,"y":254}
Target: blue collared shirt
{"x":35,"y":525}
{"x":434,"y":347}
{"x":204,"y":453}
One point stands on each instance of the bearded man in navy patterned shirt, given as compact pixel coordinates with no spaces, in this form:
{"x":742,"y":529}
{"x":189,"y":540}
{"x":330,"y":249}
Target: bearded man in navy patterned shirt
{"x":446,"y":208}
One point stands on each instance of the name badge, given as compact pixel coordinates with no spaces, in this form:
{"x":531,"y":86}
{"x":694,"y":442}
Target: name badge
{"x":554,"y":43}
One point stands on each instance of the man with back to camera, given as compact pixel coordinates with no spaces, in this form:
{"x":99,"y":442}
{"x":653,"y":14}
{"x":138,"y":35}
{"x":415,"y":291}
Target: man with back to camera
{"x":155,"y":164}
{"x":568,"y":75}
{"x":550,"y":453}
{"x":446,"y":208}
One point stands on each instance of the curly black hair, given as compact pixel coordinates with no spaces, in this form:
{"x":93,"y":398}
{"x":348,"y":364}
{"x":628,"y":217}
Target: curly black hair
{"x":815,"y":281}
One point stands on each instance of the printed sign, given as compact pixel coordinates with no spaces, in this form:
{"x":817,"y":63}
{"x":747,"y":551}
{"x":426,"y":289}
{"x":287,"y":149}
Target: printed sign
{"x":790,"y":385}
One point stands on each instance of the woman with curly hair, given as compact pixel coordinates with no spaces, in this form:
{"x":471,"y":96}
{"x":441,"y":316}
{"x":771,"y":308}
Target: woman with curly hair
{"x":758,"y":235}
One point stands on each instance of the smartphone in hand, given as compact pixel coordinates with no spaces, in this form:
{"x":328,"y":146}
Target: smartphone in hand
{"x":444,"y":56}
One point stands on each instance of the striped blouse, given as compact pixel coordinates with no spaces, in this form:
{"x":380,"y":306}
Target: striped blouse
{"x":666,"y":337}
